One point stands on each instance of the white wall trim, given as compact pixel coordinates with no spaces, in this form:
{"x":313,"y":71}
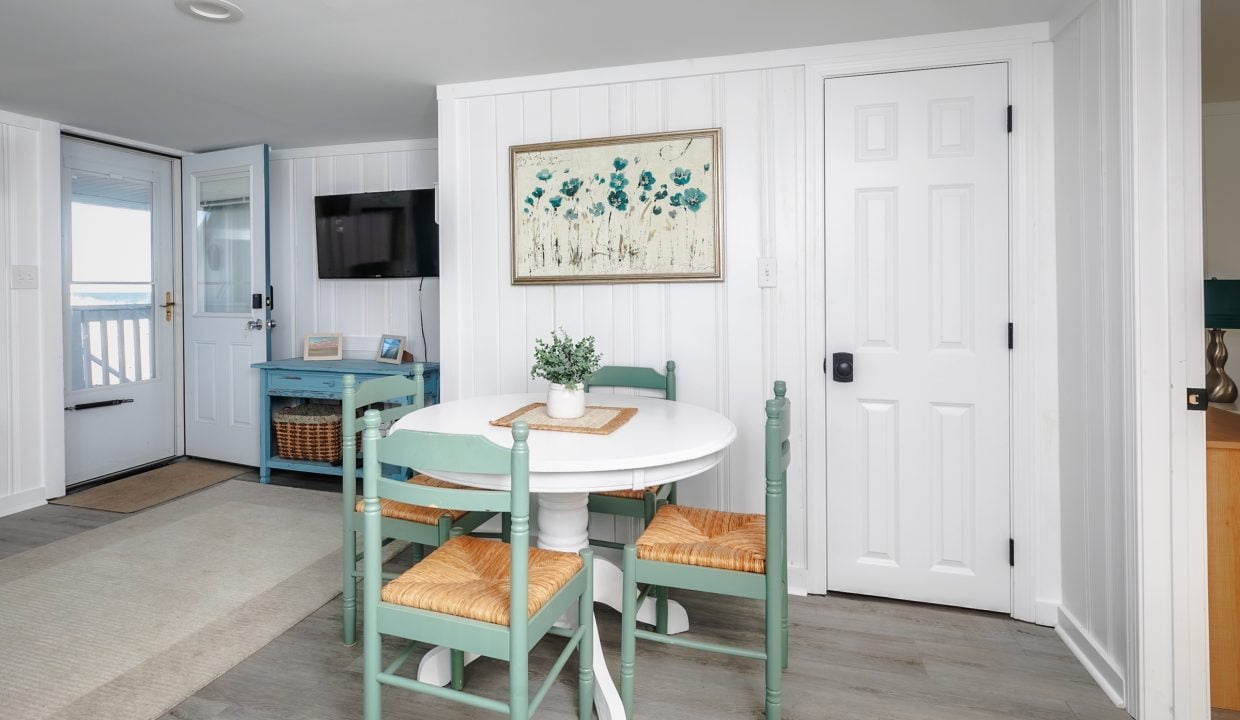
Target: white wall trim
{"x":355,"y":149}
{"x":1231,"y":107}
{"x":8,"y":118}
{"x":1034,"y":428}
{"x":1169,"y":585}
{"x":135,"y":144}
{"x":1028,"y":33}
{"x":24,"y":500}
{"x":1097,"y":663}
{"x":51,"y":305}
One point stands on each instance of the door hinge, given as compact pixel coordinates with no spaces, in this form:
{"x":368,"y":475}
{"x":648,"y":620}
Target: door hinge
{"x":1198,"y":399}
{"x":1011,"y":336}
{"x":1011,"y":552}
{"x":1009,"y":118}
{"x":271,"y":297}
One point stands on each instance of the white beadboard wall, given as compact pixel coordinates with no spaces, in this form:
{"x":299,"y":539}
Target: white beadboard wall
{"x":31,"y":380}
{"x":730,"y":340}
{"x":360,"y":309}
{"x":1096,"y":436}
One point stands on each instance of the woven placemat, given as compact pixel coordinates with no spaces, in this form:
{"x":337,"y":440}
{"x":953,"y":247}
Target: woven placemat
{"x":598,"y":420}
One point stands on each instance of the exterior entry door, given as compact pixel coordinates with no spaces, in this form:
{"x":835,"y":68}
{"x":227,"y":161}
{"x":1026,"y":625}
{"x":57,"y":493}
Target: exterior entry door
{"x":917,"y":291}
{"x":120,"y":324}
{"x":228,"y":300}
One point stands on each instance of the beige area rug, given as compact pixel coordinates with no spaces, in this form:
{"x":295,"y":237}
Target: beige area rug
{"x":144,"y":490}
{"x":125,"y":621}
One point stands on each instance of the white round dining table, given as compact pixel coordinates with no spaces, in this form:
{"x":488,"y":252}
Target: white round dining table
{"x":663,"y":442}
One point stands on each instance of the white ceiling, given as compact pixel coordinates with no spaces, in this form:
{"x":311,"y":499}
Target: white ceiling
{"x":313,"y":72}
{"x":1220,"y":50}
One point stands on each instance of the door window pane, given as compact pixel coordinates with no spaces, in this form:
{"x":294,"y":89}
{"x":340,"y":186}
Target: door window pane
{"x":223,"y":244}
{"x":110,"y":283}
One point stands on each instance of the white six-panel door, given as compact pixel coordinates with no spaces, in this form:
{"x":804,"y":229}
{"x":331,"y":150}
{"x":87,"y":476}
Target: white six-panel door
{"x":917,"y":290}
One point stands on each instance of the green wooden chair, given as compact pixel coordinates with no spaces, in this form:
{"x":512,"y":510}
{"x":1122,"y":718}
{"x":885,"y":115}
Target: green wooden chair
{"x":640,"y":504}
{"x":420,"y":526}
{"x":719,"y":552}
{"x":470,"y":594}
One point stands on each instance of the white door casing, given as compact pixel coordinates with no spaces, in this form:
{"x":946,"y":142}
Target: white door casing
{"x":225,"y":216}
{"x":119,"y":259}
{"x":918,"y":469}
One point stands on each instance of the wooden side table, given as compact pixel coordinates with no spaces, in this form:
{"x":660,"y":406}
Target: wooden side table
{"x":322,"y":380}
{"x":1223,"y":536}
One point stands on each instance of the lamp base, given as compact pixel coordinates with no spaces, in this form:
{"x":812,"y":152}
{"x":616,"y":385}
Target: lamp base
{"x":1221,"y":388}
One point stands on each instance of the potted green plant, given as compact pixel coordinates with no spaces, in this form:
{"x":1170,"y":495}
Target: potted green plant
{"x":565,"y":364}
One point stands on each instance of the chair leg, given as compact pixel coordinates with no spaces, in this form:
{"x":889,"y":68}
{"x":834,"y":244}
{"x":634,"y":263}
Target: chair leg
{"x":371,"y":659}
{"x":671,"y":495}
{"x":348,"y":559}
{"x":774,"y":648}
{"x":418,"y":550}
{"x":628,"y":628}
{"x":458,"y":669}
{"x":660,"y":593}
{"x":585,"y":651}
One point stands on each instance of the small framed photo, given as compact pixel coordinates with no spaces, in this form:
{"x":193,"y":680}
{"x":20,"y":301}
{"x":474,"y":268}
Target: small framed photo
{"x":391,"y":349}
{"x":323,"y":346}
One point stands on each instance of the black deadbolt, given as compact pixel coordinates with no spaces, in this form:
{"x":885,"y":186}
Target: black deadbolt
{"x":842,"y":367}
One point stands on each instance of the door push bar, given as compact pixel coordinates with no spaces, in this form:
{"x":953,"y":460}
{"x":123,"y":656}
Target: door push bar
{"x":101,"y":403}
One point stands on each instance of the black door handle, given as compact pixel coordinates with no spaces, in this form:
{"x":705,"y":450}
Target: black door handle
{"x":842,"y":367}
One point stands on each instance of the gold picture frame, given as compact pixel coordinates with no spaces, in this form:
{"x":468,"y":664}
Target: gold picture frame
{"x":624,"y":209}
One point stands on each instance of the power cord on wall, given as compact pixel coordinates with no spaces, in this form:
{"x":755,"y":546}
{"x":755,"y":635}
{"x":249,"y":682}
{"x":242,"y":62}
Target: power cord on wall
{"x":421,"y":324}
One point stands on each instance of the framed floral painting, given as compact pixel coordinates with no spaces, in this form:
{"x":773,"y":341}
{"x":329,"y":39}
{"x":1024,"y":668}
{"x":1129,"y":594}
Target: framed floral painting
{"x":638,"y":208}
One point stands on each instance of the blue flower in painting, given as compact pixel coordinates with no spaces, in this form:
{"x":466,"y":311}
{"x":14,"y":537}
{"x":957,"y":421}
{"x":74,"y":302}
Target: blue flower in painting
{"x":570,"y":187}
{"x":660,"y":194}
{"x":571,"y":215}
{"x":544,"y":174}
{"x":618,"y":181}
{"x":643,"y":197}
{"x":657,"y":210}
{"x":620,"y":163}
{"x":529,"y":200}
{"x":618,"y":199}
{"x":706,"y":167}
{"x":671,"y":214}
{"x":597,"y":209}
{"x":525,"y":210}
{"x":694,"y":199}
{"x":680,"y":176}
{"x":676,"y":200}
{"x":538,"y":192}
{"x":555,"y":201}
{"x":647,"y":180}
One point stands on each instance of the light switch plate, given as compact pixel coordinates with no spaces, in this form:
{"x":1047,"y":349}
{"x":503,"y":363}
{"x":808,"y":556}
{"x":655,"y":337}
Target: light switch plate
{"x":25,"y":277}
{"x":766,"y":272}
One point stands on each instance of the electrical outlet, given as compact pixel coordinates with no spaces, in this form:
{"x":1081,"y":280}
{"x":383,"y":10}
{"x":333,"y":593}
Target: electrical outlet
{"x":766,"y":272}
{"x":25,"y":277}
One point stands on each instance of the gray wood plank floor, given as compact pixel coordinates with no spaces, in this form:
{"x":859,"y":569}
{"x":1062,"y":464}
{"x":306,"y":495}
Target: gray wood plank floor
{"x":850,"y":657}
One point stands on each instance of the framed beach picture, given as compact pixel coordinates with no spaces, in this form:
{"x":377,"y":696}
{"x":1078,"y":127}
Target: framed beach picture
{"x":323,"y":346}
{"x":391,"y":349}
{"x":638,"y":208}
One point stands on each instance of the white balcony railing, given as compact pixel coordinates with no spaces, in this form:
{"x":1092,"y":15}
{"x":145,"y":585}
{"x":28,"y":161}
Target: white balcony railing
{"x":109,"y":345}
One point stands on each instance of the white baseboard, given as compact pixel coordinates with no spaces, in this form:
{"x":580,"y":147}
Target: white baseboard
{"x":1096,"y":661}
{"x":1046,"y":613}
{"x":22,"y":501}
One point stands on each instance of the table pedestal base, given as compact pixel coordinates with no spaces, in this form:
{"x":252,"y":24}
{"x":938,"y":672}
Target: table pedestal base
{"x":563,"y":524}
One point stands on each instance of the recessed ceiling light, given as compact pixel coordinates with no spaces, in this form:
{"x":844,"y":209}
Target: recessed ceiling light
{"x":212,"y":10}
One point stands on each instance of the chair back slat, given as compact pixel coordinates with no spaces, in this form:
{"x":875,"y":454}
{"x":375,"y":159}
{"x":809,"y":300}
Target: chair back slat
{"x":392,"y":414}
{"x":389,"y":389}
{"x":430,"y":451}
{"x":446,"y":498}
{"x":635,"y":377}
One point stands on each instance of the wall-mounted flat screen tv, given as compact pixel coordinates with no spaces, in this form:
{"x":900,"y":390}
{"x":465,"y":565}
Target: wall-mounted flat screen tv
{"x":377,"y":235}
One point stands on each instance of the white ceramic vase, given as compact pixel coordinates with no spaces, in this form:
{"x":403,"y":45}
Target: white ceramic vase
{"x":565,"y":402}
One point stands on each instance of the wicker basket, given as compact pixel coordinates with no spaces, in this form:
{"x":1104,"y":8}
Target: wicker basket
{"x":309,"y":432}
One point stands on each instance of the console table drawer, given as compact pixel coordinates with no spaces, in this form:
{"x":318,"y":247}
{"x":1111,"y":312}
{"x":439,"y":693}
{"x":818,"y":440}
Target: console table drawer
{"x":279,"y":381}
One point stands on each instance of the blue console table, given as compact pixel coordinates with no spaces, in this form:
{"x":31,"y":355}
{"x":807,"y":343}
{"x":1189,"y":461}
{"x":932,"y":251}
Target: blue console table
{"x":323,"y":380}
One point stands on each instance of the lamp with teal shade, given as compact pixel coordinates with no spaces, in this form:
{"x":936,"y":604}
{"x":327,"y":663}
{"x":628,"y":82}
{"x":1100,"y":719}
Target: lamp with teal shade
{"x":1222,"y":313}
